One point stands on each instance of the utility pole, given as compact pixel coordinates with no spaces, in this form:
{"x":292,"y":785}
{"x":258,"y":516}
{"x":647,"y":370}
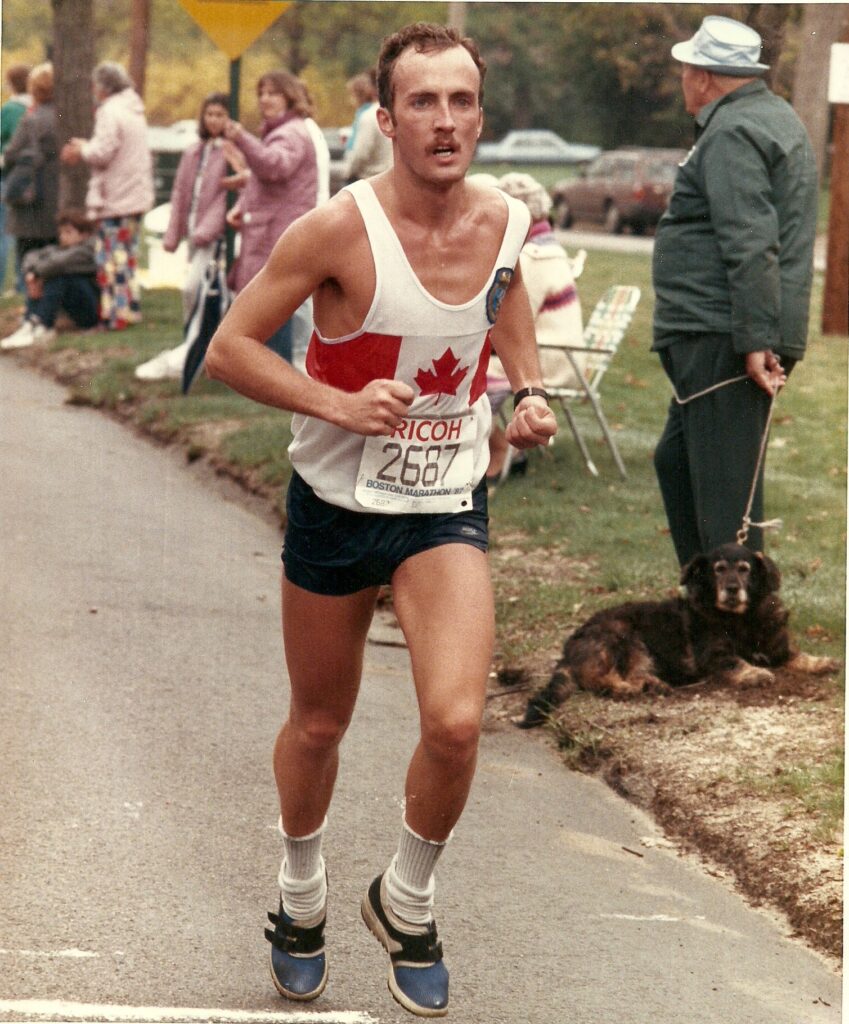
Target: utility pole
{"x":835,"y":307}
{"x":139,"y":43}
{"x":457,"y":15}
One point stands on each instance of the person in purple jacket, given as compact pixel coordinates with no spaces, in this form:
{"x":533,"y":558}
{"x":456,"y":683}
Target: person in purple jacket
{"x":199,"y":195}
{"x":283,"y":180}
{"x":198,"y":209}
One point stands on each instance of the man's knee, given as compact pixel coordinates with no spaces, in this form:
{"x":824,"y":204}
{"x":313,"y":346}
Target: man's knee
{"x":452,"y":735}
{"x":316,"y":731}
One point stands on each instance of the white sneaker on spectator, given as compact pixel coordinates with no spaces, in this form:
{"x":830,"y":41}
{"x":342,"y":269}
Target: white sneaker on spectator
{"x":168,"y":365}
{"x":23,"y":337}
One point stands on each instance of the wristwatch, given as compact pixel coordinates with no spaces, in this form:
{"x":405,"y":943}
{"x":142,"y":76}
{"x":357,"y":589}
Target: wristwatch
{"x":528,"y":393}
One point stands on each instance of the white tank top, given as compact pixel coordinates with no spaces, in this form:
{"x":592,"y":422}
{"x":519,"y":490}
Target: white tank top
{"x":441,"y":351}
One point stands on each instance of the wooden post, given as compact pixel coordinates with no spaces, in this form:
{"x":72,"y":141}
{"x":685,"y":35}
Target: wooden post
{"x":139,"y":43}
{"x":835,"y":305}
{"x":457,"y":15}
{"x":232,"y":196}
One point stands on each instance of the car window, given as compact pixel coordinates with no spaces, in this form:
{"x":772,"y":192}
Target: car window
{"x":661,"y":171}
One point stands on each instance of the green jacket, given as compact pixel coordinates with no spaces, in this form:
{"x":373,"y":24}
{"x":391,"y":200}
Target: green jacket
{"x":733,"y":253}
{"x":10,"y":113}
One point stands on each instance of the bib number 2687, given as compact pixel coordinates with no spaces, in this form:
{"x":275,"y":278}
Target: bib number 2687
{"x":415,"y":465}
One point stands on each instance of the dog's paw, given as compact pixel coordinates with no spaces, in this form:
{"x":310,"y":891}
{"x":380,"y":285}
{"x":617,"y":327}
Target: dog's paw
{"x":536,"y":714}
{"x":812,"y":664}
{"x":652,"y":684}
{"x":748,"y":677}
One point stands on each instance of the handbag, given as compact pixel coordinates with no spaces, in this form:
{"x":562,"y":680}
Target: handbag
{"x":22,"y":185}
{"x":211,"y":303}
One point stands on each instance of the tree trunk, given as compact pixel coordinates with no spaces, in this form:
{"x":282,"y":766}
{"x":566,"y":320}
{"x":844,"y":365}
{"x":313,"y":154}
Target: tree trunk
{"x":769,"y":20}
{"x":73,"y":63}
{"x":293,"y":23}
{"x":139,"y":43}
{"x":822,"y":25}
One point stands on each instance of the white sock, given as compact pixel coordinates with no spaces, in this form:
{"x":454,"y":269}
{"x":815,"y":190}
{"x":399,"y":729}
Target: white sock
{"x":410,"y":884}
{"x":302,"y":878}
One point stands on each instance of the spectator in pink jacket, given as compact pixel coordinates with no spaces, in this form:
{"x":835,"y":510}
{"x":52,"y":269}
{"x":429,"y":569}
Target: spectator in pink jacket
{"x":283,"y":180}
{"x":120,"y":189}
{"x":199,"y":195}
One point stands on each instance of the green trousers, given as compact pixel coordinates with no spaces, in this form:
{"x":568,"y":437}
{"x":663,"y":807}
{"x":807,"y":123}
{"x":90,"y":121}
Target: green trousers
{"x":706,"y":457}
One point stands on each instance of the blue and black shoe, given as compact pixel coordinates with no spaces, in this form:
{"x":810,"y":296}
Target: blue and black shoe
{"x":298,"y":963}
{"x":418,"y":978}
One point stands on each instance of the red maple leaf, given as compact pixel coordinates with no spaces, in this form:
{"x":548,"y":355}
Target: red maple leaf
{"x":447,"y":378}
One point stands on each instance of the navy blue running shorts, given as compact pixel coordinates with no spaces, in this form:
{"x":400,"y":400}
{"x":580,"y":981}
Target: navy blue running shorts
{"x":332,"y":550}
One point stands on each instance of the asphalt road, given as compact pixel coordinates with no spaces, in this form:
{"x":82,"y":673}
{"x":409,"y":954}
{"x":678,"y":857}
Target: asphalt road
{"x":142,"y":687}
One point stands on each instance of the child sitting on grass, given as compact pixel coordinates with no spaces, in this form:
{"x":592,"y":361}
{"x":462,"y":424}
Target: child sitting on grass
{"x":58,"y":277}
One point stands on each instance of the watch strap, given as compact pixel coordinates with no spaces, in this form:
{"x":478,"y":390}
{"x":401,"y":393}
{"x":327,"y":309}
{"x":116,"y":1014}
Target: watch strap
{"x":529,"y":393}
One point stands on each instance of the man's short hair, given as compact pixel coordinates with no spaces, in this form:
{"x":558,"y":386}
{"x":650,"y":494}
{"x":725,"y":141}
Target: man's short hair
{"x":40,"y":82}
{"x":423,"y":37}
{"x":76,"y":218}
{"x":17,"y":76}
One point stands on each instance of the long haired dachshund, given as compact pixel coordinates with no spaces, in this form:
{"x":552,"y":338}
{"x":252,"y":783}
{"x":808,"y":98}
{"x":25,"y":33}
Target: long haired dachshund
{"x":729,"y":626}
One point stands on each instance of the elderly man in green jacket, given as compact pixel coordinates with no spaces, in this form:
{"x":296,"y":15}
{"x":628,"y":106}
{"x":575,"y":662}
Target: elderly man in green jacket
{"x":733,"y":264}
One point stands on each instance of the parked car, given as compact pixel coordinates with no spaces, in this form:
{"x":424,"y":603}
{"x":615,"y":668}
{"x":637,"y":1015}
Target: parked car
{"x":627,"y":187}
{"x":534,"y":146}
{"x":337,"y":139}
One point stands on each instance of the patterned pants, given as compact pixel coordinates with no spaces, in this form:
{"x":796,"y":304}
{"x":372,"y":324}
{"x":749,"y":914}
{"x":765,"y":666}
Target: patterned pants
{"x":117,"y":260}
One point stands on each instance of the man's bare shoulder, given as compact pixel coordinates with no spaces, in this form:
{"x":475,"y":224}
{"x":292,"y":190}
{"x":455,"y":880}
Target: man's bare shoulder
{"x":338,"y":218}
{"x":488,"y":207}
{"x":321,"y":240}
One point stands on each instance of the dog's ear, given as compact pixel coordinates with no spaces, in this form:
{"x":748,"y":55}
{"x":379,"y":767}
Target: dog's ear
{"x":694,"y":569}
{"x":771,"y":573}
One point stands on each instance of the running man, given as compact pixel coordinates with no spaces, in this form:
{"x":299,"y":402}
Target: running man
{"x":409,"y":271}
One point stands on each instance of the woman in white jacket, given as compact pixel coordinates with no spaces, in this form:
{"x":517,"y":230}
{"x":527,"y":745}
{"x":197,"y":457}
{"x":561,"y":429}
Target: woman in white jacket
{"x":547,"y":272}
{"x":120,"y":189}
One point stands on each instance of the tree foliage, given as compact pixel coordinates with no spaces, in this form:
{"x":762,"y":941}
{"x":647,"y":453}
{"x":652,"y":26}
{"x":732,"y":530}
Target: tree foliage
{"x":593,"y":72}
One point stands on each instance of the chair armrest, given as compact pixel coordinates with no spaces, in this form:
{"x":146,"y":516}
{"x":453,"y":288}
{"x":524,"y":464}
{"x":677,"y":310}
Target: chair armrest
{"x":602,"y":351}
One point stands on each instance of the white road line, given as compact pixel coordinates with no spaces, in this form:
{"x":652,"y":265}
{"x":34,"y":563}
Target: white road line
{"x":38,"y":1010}
{"x":664,"y":918}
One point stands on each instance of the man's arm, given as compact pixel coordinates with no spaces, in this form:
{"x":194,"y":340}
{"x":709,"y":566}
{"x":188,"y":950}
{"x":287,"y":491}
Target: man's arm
{"x":738,"y":187}
{"x":301,"y":260}
{"x":514,"y":340}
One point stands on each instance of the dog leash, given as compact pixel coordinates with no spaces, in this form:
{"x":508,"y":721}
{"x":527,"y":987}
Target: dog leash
{"x":707,"y":391}
{"x":769,"y":524}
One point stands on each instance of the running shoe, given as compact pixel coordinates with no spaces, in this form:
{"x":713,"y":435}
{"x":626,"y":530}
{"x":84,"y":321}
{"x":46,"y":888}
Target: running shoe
{"x":418,"y":978}
{"x":298,"y":963}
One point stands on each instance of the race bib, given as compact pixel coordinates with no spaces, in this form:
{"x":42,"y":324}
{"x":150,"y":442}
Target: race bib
{"x":427,"y":465}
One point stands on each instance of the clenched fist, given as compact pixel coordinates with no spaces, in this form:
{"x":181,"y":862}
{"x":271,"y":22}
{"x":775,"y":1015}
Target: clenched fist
{"x":377,"y":409}
{"x":533,"y":423}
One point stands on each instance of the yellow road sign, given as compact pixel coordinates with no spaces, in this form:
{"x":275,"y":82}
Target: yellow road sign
{"x":234,"y":24}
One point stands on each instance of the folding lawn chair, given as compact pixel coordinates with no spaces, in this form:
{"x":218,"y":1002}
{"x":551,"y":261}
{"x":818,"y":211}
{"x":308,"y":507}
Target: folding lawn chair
{"x":604,"y":331}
